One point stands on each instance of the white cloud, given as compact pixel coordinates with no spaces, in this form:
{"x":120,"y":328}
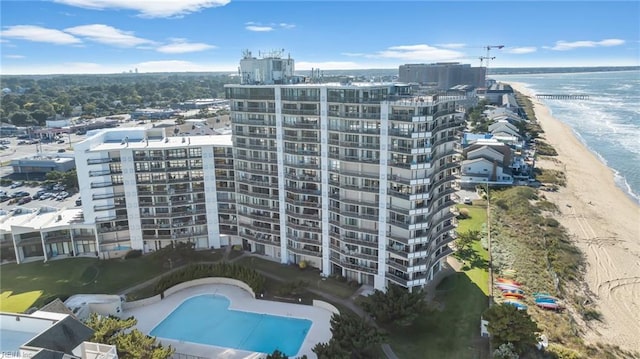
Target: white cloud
{"x":257,"y":28}
{"x":521,"y":50}
{"x":149,"y":8}
{"x":14,"y":56}
{"x":452,"y":45}
{"x":420,"y":52}
{"x":39,"y":34}
{"x":180,"y":46}
{"x":565,"y":45}
{"x":109,"y":35}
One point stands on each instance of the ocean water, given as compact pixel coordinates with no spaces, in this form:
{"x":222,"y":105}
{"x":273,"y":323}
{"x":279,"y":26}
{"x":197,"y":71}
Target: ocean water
{"x":608,"y":123}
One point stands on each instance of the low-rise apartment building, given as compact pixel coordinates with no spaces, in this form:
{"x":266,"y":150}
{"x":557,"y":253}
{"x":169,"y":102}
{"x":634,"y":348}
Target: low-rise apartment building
{"x":145,"y":190}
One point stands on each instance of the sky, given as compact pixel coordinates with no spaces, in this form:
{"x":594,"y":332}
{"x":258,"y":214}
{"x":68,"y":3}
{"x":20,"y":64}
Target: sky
{"x":115,"y":36}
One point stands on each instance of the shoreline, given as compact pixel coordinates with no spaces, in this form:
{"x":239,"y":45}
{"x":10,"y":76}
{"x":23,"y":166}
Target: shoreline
{"x":620,"y":180}
{"x":604,"y":222}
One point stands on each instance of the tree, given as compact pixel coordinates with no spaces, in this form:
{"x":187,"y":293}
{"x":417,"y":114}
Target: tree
{"x":352,"y":337}
{"x":397,"y":305}
{"x":330,"y":351}
{"x":130,"y":343}
{"x":69,"y":179}
{"x":507,"y":324}
{"x":280,"y":355}
{"x":505,"y":351}
{"x":21,"y":119}
{"x":40,"y":116}
{"x":277,"y":355}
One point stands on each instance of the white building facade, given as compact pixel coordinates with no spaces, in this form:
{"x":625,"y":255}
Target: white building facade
{"x":355,"y":179}
{"x":144,"y":190}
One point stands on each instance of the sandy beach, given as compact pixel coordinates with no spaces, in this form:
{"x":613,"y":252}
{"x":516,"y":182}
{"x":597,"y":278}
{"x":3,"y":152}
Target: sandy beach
{"x":605,"y":225}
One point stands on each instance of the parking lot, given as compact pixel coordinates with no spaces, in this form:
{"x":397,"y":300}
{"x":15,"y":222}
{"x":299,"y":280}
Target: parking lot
{"x":49,"y":200}
{"x":12,"y":150}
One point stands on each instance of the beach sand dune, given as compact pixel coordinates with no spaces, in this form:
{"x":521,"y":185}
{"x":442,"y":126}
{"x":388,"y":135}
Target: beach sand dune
{"x":604,"y":223}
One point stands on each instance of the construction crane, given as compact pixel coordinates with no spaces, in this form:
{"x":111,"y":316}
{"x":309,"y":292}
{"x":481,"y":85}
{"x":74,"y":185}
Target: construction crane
{"x":489,"y":57}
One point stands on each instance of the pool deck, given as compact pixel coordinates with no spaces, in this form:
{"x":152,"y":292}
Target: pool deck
{"x":151,"y":315}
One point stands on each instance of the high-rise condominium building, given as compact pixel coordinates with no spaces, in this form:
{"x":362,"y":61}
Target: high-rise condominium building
{"x":144,"y":190}
{"x":356,"y":179}
{"x":442,"y":75}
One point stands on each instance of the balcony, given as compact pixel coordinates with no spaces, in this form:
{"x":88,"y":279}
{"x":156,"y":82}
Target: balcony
{"x":401,"y":280}
{"x":99,"y":173}
{"x":355,"y":266}
{"x":312,"y":216}
{"x":101,"y":184}
{"x":303,"y":203}
{"x":295,"y":111}
{"x":107,"y":195}
{"x":300,"y":98}
{"x":397,"y":265}
{"x":359,"y":242}
{"x":302,"y":124}
{"x":252,"y":121}
{"x":316,"y":242}
{"x":260,"y":238}
{"x":306,"y":252}
{"x":97,"y":161}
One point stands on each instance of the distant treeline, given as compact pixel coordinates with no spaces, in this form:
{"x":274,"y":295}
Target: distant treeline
{"x":31,"y":100}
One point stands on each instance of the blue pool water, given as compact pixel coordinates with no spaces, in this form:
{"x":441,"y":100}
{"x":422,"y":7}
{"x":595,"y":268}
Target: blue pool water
{"x":206,"y":319}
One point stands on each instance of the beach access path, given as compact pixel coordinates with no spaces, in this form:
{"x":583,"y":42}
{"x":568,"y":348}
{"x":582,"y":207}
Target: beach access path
{"x":604,"y":223}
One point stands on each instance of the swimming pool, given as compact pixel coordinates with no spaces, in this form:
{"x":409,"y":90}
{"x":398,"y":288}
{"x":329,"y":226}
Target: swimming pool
{"x":206,"y":319}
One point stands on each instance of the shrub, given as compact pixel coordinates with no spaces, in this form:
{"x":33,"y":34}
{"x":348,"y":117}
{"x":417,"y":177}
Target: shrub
{"x":226,"y":270}
{"x":560,"y":352}
{"x":464,"y":213}
{"x":552,"y":222}
{"x":591,"y":314}
{"x":506,"y":351}
{"x":135,"y":253}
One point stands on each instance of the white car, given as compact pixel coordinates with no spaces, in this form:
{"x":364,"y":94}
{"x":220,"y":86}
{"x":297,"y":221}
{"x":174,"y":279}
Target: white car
{"x":467,"y":200}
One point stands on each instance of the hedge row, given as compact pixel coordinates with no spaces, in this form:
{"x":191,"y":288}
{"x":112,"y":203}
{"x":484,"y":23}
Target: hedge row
{"x":227,"y":270}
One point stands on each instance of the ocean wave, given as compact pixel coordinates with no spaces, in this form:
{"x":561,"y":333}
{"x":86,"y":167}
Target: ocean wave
{"x":621,"y":181}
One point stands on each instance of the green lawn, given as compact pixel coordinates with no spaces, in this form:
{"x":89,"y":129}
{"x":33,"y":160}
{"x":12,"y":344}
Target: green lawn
{"x":451,"y":333}
{"x":33,"y":284}
{"x":476,"y":222}
{"x":293,"y":273}
{"x":477,"y":273}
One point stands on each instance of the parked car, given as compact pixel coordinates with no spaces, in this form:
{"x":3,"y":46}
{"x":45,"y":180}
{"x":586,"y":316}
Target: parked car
{"x":20,"y":194}
{"x":61,"y":150}
{"x":60,"y":141}
{"x":467,"y":200}
{"x":78,"y":202}
{"x":4,"y":198}
{"x":16,"y":184}
{"x":24,"y":200}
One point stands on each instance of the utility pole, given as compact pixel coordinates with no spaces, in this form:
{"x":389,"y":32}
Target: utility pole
{"x":489,"y":247}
